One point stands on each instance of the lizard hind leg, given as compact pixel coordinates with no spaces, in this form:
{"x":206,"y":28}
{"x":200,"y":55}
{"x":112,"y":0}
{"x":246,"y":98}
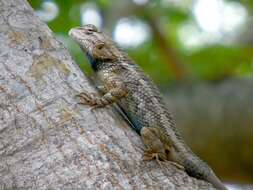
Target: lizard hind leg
{"x":151,"y":155}
{"x":168,"y":152}
{"x":157,"y":147}
{"x":154,"y":146}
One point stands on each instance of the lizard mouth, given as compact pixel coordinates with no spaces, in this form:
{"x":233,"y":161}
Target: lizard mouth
{"x":76,"y":34}
{"x":71,"y":32}
{"x":80,"y":37}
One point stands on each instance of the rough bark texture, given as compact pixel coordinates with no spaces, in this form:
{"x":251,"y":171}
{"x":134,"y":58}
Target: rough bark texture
{"x":47,"y":141}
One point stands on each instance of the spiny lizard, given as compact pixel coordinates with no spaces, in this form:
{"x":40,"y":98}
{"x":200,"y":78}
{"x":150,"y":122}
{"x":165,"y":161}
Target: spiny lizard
{"x":124,"y":83}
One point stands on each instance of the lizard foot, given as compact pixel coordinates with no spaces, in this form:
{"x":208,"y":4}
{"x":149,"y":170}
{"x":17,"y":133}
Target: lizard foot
{"x":151,"y":156}
{"x":90,"y":99}
{"x":86,"y":98}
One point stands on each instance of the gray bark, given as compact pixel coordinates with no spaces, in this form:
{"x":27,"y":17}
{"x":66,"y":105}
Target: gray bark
{"x":47,"y":141}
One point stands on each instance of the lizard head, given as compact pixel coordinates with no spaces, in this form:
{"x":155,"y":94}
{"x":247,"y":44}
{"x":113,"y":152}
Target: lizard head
{"x":97,"y":46}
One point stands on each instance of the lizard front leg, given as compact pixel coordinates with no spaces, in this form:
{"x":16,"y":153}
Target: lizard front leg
{"x":114,"y":89}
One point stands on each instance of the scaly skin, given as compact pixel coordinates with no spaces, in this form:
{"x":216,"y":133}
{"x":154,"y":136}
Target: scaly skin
{"x":124,"y":83}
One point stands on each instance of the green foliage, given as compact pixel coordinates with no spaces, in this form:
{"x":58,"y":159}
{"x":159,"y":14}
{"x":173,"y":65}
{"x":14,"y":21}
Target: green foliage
{"x":218,"y":62}
{"x":208,"y":62}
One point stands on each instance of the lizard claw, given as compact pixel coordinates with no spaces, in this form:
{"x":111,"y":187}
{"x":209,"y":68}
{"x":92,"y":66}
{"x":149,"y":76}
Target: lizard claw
{"x":151,"y":156}
{"x":90,"y":99}
{"x":95,"y":107}
{"x":178,"y":166}
{"x":86,"y":98}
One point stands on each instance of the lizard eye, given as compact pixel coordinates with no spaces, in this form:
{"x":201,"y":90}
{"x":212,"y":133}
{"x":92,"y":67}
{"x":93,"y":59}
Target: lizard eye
{"x":89,"y":28}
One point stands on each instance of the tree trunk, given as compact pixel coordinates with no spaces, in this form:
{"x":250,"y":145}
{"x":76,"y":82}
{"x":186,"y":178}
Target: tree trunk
{"x":48,"y":141}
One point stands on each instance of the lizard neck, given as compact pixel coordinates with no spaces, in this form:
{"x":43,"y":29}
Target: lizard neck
{"x":98,"y":65}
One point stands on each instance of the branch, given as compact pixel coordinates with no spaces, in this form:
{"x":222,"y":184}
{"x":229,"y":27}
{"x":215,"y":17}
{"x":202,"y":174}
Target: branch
{"x":168,"y":52}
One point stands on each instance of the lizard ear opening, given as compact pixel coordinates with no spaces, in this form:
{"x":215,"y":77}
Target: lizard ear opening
{"x":100,"y":45}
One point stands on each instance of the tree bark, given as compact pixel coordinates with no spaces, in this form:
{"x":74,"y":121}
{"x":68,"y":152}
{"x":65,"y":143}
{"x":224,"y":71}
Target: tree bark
{"x":48,"y":141}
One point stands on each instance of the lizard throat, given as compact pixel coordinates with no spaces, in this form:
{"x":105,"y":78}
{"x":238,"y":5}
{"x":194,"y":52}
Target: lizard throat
{"x":94,"y":63}
{"x":97,"y":64}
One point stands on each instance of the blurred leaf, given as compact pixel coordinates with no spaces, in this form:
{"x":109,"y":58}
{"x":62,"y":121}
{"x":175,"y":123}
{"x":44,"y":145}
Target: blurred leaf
{"x":217,"y":62}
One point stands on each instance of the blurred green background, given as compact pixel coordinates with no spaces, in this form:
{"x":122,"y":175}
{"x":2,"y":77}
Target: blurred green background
{"x":170,"y":39}
{"x":198,"y":48}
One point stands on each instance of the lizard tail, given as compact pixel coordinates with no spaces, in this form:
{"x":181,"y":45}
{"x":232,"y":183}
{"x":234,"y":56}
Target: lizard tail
{"x":195,"y":167}
{"x":213,"y":179}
